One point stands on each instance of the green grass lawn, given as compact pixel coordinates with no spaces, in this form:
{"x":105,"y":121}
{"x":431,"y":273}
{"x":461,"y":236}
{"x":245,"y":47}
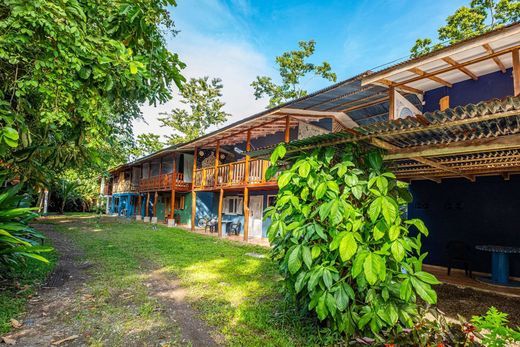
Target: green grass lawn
{"x":19,"y":285}
{"x":235,"y":293}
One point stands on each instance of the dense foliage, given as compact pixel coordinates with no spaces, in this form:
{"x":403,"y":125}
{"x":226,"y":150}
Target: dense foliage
{"x":343,"y":244}
{"x":146,"y":144}
{"x":73,"y":75}
{"x":468,"y":21}
{"x":17,"y":239}
{"x":293,"y":67}
{"x":202,"y":97}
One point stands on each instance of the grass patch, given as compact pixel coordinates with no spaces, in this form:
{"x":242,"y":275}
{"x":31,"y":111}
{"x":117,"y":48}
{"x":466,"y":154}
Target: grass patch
{"x":19,"y":285}
{"x":236,"y":294}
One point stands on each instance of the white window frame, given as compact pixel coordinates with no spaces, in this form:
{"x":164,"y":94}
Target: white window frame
{"x":237,"y":203}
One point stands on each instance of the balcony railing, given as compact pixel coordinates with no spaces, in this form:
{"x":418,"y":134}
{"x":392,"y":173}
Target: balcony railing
{"x":233,"y":174}
{"x":124,"y":186}
{"x":163,"y":182}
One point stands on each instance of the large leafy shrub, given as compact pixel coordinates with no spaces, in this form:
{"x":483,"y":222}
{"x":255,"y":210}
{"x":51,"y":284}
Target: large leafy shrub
{"x":343,"y":246}
{"x":18,"y":240}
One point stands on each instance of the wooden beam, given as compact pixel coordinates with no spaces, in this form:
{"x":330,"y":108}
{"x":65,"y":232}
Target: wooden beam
{"x":464,"y":147}
{"x":497,"y":60}
{"x":388,"y":146}
{"x":173,"y":185}
{"x":391,"y":103}
{"x":460,"y":67}
{"x":401,"y":86}
{"x":439,"y":80}
{"x":516,"y":72}
{"x":219,"y":217}
{"x":193,"y":193}
{"x":139,"y":202}
{"x":287,"y":129}
{"x":246,"y":213}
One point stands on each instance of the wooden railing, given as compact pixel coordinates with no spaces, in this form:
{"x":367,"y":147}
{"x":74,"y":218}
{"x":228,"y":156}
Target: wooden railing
{"x":233,"y":174}
{"x":124,"y":186}
{"x":163,"y":182}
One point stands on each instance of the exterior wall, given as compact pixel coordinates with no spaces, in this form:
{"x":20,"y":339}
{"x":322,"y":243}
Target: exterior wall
{"x":494,"y":85}
{"x":125,"y":201}
{"x":478,"y":213}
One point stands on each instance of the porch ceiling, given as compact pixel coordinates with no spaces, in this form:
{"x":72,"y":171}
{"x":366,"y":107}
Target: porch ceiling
{"x":468,"y":141}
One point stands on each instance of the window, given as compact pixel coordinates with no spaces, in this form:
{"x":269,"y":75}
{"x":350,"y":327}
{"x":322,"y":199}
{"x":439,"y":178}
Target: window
{"x":233,"y":205}
{"x":271,"y":200}
{"x":179,"y":202}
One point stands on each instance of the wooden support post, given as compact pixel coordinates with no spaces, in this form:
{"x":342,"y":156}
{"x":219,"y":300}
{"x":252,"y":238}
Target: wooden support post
{"x":391,"y":103}
{"x":516,"y":72}
{"x":246,"y":189}
{"x":220,"y":202}
{"x":155,"y":204}
{"x":147,"y":204}
{"x":193,"y":193}
{"x":287,"y":129}
{"x":139,"y":202}
{"x":174,"y":184}
{"x":217,"y":156}
{"x":246,"y":213}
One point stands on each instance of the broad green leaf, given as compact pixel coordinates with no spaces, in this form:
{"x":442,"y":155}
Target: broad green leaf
{"x":299,"y":284}
{"x":357,"y":265}
{"x":388,"y":209}
{"x":304,"y":169}
{"x":294,"y":263}
{"x":371,"y":268}
{"x":341,"y":299}
{"x":284,"y":179}
{"x":357,"y":191}
{"x":397,"y":250}
{"x":426,"y":277}
{"x":419,"y":224}
{"x":347,"y":246}
{"x":424,"y":291}
{"x":375,"y":160}
{"x":320,"y":190}
{"x":375,"y":209}
{"x":331,"y":303}
{"x":306,"y":256}
{"x":377,"y":232}
{"x":333,"y":186}
{"x":304,"y":193}
{"x":393,"y":232}
{"x":327,"y":278}
{"x":133,"y":68}
{"x":315,"y":251}
{"x":405,"y":290}
{"x":321,"y":308}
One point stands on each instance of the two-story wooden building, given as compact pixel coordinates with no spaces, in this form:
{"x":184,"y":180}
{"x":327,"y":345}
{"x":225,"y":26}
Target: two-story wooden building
{"x":453,"y":113}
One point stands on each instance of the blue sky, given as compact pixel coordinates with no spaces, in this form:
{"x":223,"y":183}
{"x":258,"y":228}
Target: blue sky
{"x":237,"y":40}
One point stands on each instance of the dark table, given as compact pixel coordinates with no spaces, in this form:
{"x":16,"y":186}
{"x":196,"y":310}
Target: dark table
{"x":499,"y":264}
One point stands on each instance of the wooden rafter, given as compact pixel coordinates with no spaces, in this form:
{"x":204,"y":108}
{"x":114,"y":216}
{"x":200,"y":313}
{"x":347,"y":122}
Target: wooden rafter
{"x":401,"y":86}
{"x":439,"y":80}
{"x":470,"y":146}
{"x":460,"y":67}
{"x":497,"y":60}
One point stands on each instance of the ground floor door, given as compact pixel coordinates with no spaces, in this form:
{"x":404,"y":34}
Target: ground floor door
{"x":256,"y":208}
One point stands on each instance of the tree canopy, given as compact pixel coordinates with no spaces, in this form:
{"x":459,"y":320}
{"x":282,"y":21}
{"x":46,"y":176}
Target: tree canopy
{"x":202,"y":97}
{"x":146,"y":144}
{"x":293,"y":67}
{"x":468,"y":21}
{"x":73,"y":75}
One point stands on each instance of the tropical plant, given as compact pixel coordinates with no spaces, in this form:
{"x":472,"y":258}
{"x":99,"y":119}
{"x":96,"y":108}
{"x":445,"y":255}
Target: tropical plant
{"x":292,"y":67}
{"x":17,"y":239}
{"x":343,"y":248}
{"x":481,"y":16}
{"x":67,"y":191}
{"x":494,"y":329}
{"x":203,"y":98}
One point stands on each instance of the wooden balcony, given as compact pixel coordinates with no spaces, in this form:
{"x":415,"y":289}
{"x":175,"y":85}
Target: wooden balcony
{"x":124,"y":187}
{"x":234,"y":175}
{"x":164,"y":182}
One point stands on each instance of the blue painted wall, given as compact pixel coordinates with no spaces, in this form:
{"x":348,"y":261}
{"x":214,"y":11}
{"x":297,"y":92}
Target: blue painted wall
{"x":125,"y":201}
{"x":490,"y":86}
{"x":483,"y":212}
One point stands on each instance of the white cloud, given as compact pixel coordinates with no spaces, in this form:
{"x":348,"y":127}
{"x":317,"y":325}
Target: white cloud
{"x":235,"y":61}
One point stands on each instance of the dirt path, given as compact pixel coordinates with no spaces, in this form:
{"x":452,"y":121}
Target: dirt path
{"x":50,"y":318}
